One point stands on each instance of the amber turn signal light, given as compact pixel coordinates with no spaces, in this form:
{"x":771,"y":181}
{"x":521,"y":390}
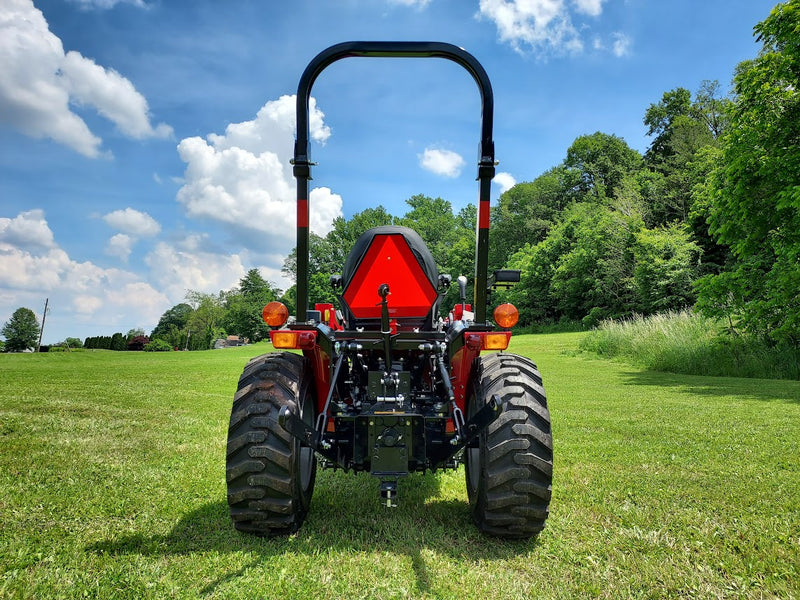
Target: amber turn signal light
{"x":275,"y":314}
{"x":506,"y":315}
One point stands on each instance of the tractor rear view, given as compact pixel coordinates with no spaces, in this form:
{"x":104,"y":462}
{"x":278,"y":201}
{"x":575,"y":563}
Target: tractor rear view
{"x":383,"y":384}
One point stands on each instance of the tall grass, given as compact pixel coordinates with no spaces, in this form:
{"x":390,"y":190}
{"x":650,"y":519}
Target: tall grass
{"x":686,"y":342}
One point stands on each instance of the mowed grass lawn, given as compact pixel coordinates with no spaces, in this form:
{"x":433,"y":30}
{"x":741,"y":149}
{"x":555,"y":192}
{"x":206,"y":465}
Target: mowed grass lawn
{"x":112,"y":486}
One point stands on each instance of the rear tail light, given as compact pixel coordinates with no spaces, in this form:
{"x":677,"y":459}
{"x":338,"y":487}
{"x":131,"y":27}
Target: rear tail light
{"x":293,"y":340}
{"x":497,"y":340}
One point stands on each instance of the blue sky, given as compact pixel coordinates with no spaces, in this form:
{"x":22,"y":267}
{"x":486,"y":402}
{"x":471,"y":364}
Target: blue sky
{"x":144,"y":144}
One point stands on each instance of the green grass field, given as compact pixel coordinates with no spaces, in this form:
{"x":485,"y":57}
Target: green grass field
{"x":112,"y":486}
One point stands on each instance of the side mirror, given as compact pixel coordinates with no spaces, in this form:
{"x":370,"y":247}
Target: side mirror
{"x":504,"y":278}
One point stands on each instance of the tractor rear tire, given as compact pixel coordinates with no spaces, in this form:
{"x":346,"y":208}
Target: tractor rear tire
{"x":509,"y":474}
{"x":270,"y":475}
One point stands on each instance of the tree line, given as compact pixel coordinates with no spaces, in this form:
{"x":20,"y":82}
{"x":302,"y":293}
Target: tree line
{"x":205,"y":317}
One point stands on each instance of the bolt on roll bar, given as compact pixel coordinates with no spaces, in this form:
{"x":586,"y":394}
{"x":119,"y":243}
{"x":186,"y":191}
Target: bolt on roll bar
{"x":302,"y":164}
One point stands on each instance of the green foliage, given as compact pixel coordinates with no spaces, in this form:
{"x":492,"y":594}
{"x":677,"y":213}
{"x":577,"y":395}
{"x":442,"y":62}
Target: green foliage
{"x":714,"y":256}
{"x":526,"y":212}
{"x":432,"y":219}
{"x":205,"y":322}
{"x":97,"y":342}
{"x":599,"y":263}
{"x":70,"y":343}
{"x":666,"y":267}
{"x":119,"y":342}
{"x":603,"y":163}
{"x":244,"y":306}
{"x":21,"y":331}
{"x":583,"y":268}
{"x":682,"y":129}
{"x":753,"y":196}
{"x":73,"y":342}
{"x":580,"y":235}
{"x":171,"y":334}
{"x":176,"y":317}
{"x":197,"y":323}
{"x":323,"y":261}
{"x":158,"y":346}
{"x":660,"y":117}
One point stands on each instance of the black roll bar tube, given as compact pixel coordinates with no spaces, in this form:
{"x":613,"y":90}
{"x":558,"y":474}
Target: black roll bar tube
{"x":486,"y":163}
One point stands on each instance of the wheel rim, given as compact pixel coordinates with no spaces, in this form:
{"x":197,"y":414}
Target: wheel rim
{"x":306,"y":453}
{"x":473,"y":455}
{"x":473,"y":467}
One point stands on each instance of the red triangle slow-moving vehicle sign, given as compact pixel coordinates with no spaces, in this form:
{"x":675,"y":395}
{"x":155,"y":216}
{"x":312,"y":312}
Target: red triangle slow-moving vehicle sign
{"x":390,"y":260}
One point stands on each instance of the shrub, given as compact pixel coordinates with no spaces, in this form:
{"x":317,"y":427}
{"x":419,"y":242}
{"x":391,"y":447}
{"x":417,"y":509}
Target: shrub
{"x":158,"y":346}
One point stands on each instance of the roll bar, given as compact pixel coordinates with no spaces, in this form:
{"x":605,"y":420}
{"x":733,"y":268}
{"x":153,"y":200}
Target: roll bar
{"x":302,"y":164}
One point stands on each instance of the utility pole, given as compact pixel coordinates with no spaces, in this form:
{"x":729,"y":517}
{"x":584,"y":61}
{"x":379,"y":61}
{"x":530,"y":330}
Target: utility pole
{"x":41,"y":330}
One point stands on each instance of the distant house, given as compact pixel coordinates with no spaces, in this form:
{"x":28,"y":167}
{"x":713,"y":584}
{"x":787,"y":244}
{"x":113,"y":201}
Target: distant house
{"x":230,"y":342}
{"x":138,"y":342}
{"x":235,"y":340}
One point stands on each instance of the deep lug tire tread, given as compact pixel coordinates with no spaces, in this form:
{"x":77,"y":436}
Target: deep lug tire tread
{"x":263,"y":471}
{"x":512,"y":470}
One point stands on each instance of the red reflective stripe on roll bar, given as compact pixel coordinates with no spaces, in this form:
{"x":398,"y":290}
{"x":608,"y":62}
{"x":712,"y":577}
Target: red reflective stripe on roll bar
{"x":302,"y":213}
{"x":483,"y":214}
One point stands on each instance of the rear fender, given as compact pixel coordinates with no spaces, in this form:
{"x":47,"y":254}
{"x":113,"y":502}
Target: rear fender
{"x":464,"y":349}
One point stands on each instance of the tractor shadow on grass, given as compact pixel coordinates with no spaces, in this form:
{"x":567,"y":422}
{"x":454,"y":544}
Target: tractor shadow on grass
{"x":770,"y":390}
{"x":345,"y":517}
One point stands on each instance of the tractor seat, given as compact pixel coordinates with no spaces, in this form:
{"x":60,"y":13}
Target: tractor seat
{"x":396,"y":256}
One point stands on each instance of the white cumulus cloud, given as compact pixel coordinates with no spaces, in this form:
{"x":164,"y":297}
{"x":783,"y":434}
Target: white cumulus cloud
{"x":589,"y":7}
{"x":120,"y":245}
{"x":39,"y":81}
{"x":621,"y":45}
{"x":505,"y":181}
{"x":544,"y":26}
{"x":111,"y":94}
{"x":243,"y":179}
{"x":133,"y":222}
{"x":79,"y":292}
{"x":188,"y":266}
{"x":441,"y":162}
{"x":541,"y":25}
{"x":106,"y":4}
{"x":411,"y":3}
{"x":27,"y":229}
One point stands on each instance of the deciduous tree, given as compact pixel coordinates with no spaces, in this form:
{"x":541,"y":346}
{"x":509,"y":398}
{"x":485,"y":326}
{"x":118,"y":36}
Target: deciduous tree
{"x":21,"y":330}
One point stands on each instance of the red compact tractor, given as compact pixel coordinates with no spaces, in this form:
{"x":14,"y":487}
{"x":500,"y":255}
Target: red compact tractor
{"x":383,"y":384}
